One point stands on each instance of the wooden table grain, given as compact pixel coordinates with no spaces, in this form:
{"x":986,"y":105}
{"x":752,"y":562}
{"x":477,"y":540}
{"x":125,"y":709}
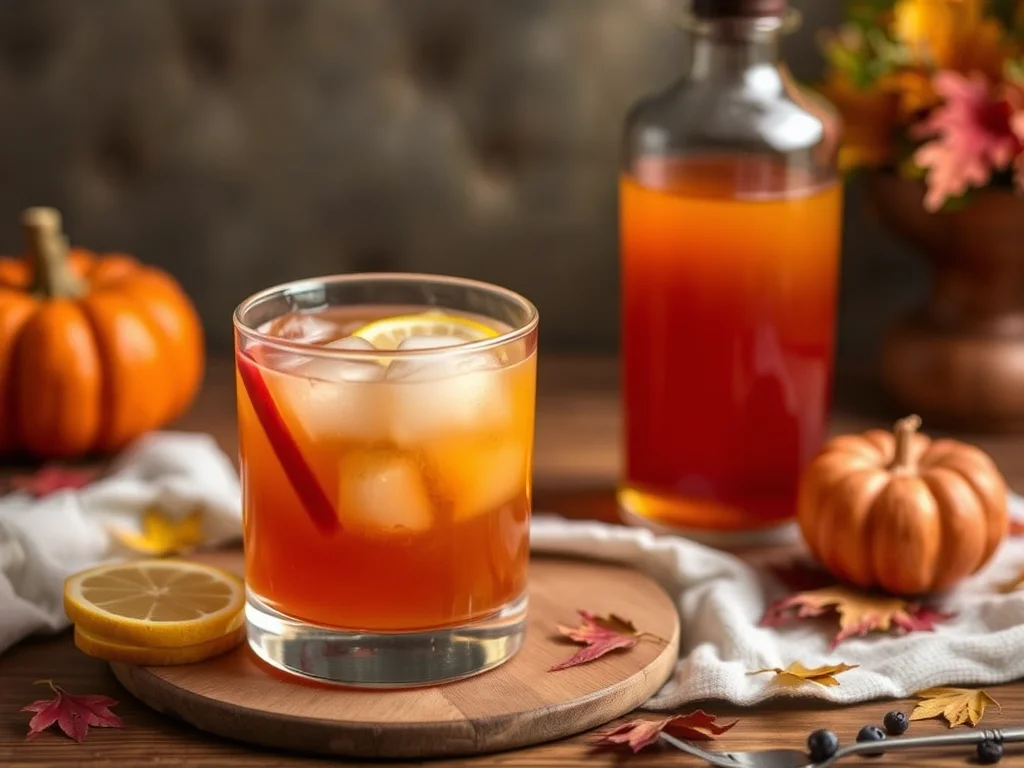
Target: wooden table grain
{"x":577,"y":461}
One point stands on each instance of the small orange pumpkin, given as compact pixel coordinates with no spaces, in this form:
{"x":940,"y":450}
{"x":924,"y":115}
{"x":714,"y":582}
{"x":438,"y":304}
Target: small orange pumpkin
{"x":900,"y":511}
{"x":95,"y":350}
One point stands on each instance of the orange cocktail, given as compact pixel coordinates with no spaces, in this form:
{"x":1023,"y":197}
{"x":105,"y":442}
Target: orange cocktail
{"x":386,"y":439}
{"x":729,"y":304}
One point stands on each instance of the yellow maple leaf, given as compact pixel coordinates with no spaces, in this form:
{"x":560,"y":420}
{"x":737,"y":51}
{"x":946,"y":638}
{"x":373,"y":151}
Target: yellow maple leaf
{"x":797,"y":674}
{"x":958,"y":706}
{"x":162,"y":535}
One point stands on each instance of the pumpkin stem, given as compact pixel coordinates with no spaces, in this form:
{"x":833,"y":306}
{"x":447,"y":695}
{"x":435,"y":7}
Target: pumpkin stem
{"x":48,"y":250}
{"x":904,"y":430}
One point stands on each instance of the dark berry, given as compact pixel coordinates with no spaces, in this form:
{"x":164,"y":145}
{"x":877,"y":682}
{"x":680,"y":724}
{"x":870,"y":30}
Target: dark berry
{"x":896,"y":723}
{"x":821,"y":745}
{"x":990,"y":752}
{"x":871,"y":733}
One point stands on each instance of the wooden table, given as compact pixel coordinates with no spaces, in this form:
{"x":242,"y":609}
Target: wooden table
{"x":576,"y":466}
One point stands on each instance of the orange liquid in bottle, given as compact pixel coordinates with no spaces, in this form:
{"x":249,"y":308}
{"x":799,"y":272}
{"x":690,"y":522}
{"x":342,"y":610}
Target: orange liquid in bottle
{"x":729,"y":307}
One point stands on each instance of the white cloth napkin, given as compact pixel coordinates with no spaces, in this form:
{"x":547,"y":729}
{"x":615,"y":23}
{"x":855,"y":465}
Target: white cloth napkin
{"x":44,"y":540}
{"x":721,"y":599}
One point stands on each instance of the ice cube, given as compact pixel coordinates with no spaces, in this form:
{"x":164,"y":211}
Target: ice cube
{"x":426,"y":366}
{"x":479,"y":476}
{"x":437,"y":396}
{"x":383,"y":491}
{"x":335,"y":399}
{"x":307,"y":328}
{"x":328,"y":369}
{"x":429,"y":342}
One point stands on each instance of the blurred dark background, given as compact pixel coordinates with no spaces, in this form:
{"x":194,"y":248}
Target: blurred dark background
{"x":242,"y":143}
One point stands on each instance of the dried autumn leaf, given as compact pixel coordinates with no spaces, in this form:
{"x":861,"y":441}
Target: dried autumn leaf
{"x":72,"y":713}
{"x":958,"y":706}
{"x":637,"y":734}
{"x":859,"y":613}
{"x":598,"y":635}
{"x":162,"y":535}
{"x":1016,"y":527}
{"x":52,"y":478}
{"x":797,"y":674}
{"x":1013,"y":584}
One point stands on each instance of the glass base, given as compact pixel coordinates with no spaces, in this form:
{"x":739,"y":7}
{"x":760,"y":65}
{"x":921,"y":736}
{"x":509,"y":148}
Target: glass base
{"x":384,"y":659}
{"x":693,"y":520}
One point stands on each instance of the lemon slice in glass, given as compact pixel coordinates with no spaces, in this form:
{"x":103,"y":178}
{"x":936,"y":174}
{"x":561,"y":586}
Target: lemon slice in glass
{"x":155,"y":603}
{"x":387,"y":333}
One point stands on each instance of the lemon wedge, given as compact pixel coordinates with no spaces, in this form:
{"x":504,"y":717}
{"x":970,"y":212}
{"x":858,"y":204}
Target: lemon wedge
{"x":124,"y":653}
{"x":155,"y":603}
{"x":387,"y":333}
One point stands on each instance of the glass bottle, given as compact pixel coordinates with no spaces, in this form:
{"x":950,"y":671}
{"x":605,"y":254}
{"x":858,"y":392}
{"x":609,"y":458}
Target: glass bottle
{"x":730,"y":226}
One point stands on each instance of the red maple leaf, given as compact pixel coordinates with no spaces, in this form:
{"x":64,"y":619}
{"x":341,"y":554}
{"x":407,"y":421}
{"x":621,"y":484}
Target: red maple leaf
{"x":73,"y":713}
{"x":858,"y":613}
{"x":598,"y":635}
{"x":52,"y":478}
{"x":637,"y":734}
{"x":972,"y":137}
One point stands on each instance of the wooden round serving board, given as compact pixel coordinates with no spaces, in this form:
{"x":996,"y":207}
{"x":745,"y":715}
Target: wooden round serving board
{"x":518,"y":704}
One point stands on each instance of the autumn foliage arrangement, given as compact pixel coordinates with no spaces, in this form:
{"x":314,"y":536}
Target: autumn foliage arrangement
{"x":932,"y":90}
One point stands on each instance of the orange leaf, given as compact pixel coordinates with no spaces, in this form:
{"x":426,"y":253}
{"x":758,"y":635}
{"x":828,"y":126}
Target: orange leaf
{"x":1013,"y":584}
{"x":637,"y":734}
{"x":71,"y":712}
{"x":796,"y":673}
{"x":599,"y":635}
{"x":858,"y":613}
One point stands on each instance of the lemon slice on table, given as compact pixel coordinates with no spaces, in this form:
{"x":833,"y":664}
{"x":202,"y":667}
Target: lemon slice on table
{"x":386,"y":334}
{"x":124,"y":653}
{"x":155,"y":603}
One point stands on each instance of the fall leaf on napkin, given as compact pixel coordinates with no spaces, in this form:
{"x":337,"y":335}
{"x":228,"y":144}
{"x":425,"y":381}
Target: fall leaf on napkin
{"x":71,"y":712}
{"x":1013,"y":584}
{"x":1016,"y":527}
{"x":52,"y":478}
{"x":598,"y":635}
{"x":959,"y":706}
{"x":859,"y":613}
{"x":162,"y":535}
{"x":797,"y":674}
{"x":637,"y":734}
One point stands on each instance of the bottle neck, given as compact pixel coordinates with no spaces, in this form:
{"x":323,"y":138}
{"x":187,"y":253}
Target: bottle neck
{"x":728,"y":49}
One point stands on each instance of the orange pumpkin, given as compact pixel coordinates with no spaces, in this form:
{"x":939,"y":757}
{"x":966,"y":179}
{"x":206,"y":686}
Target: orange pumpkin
{"x":900,"y":511}
{"x":95,"y":350}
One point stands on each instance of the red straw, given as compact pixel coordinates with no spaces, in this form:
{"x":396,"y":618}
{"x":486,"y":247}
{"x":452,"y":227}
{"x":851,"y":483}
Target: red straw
{"x":301,"y":477}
